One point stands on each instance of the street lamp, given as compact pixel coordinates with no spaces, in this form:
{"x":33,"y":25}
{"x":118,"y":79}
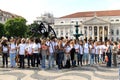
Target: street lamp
{"x":77,"y":35}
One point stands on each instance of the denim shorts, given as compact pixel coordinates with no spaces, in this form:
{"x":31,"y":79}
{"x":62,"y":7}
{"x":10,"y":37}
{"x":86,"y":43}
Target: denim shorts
{"x":85,"y":56}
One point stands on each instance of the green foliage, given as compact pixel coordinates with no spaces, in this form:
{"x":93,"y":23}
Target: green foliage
{"x":2,"y":30}
{"x":30,"y":28}
{"x":16,"y":27}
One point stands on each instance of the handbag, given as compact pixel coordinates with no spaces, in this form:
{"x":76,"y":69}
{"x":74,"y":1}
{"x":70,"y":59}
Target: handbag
{"x":118,"y":52}
{"x":106,"y":58}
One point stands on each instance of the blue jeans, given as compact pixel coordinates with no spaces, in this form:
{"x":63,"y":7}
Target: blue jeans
{"x":60,"y":59}
{"x":92,"y":58}
{"x":51,"y":60}
{"x":12,"y":59}
{"x":43,"y":61}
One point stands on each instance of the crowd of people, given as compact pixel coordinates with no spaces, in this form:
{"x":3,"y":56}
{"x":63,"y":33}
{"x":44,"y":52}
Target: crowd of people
{"x":65,"y":53}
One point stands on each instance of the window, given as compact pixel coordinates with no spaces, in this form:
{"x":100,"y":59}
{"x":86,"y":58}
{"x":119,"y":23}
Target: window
{"x":117,"y":20}
{"x":117,"y":32}
{"x":0,"y":18}
{"x":61,"y":32}
{"x":66,"y":33}
{"x":117,"y":39}
{"x":112,"y":32}
{"x":62,"y":22}
{"x":85,"y":28}
{"x":72,"y":21}
{"x":95,"y":31}
{"x":56,"y":32}
{"x":112,"y":20}
{"x":112,"y":39}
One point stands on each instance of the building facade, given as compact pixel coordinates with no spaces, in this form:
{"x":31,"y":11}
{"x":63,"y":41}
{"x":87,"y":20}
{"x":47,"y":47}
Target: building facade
{"x":4,"y":16}
{"x":96,"y":25}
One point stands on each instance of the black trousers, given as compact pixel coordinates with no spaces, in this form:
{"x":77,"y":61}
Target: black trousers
{"x":36,"y":59}
{"x":30,"y":60}
{"x":80,"y":59}
{"x":5,"y":59}
{"x":22,"y":63}
{"x":109,"y":59}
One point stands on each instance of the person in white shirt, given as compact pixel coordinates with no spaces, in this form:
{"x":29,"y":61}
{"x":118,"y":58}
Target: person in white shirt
{"x":76,"y":46}
{"x":36,"y":50}
{"x":21,"y":48}
{"x":97,"y":51}
{"x":12,"y":52}
{"x":80,"y":54}
{"x":51,"y":49}
{"x":92,"y":53}
{"x":86,"y":52}
{"x":29,"y":52}
{"x":102,"y":48}
{"x":67,"y":54}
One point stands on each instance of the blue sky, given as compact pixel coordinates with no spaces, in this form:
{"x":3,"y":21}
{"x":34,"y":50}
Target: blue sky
{"x":30,"y":9}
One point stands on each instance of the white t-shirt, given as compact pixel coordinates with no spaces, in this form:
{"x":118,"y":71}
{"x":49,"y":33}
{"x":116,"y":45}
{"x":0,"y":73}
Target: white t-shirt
{"x":29,"y":48}
{"x":76,"y":46}
{"x":51,"y":47}
{"x":5,"y":49}
{"x":22,"y":48}
{"x":81,"y":49}
{"x":67,"y":49}
{"x":101,"y":49}
{"x":36,"y":47}
{"x":92,"y":49}
{"x":97,"y":49}
{"x":86,"y":48}
{"x":12,"y":46}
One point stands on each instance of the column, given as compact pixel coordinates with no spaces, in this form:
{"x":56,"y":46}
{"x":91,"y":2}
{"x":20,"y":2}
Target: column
{"x":93,"y":32}
{"x":108,"y":32}
{"x":97,"y":33}
{"x":88,"y":33}
{"x":103,"y":34}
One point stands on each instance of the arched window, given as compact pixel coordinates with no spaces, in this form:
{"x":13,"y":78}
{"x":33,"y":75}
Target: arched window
{"x":117,"y":39}
{"x":117,"y":32}
{"x":112,"y":32}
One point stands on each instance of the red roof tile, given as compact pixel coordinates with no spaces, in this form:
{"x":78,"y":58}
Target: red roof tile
{"x":93,"y":13}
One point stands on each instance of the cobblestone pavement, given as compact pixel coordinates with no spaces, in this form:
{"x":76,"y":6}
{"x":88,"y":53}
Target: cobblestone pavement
{"x":96,"y":72}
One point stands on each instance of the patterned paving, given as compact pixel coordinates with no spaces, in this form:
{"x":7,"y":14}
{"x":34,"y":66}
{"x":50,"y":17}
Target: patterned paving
{"x":79,"y":73}
{"x":97,"y":72}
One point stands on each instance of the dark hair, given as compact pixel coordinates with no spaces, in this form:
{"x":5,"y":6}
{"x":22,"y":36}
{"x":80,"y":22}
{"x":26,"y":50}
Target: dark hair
{"x":115,"y":43}
{"x":37,"y":41}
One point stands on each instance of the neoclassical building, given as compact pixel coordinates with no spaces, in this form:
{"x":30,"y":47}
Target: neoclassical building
{"x":4,"y":16}
{"x":98,"y":25}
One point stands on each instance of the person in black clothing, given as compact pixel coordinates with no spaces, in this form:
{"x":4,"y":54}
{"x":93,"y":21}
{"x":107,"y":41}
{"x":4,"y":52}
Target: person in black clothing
{"x":109,"y":54}
{"x":5,"y":53}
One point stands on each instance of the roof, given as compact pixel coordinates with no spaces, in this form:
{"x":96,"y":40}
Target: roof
{"x":93,"y":13}
{"x":13,"y":15}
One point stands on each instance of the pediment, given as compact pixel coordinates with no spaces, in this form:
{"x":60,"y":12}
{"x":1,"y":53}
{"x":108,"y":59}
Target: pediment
{"x":95,"y":20}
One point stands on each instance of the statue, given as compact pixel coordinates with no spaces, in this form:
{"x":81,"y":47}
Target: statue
{"x":46,"y":31}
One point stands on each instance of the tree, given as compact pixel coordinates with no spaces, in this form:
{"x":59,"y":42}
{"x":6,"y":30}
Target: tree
{"x":2,"y":30}
{"x":16,"y":27}
{"x":32,"y":30}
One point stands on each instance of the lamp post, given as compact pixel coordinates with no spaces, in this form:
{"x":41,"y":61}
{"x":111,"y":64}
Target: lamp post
{"x":77,"y":35}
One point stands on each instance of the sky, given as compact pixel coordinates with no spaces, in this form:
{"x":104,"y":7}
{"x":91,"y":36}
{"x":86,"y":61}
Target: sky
{"x":30,"y":9}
